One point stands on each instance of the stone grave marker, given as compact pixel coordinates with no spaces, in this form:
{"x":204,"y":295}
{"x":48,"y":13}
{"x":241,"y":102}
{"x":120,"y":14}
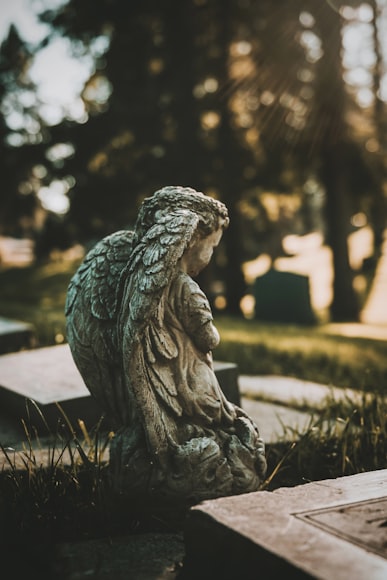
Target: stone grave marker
{"x":327,"y":529}
{"x":363,"y":523}
{"x":283,"y":297}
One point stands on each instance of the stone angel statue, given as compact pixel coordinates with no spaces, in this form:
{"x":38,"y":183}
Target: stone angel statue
{"x":141,"y":333}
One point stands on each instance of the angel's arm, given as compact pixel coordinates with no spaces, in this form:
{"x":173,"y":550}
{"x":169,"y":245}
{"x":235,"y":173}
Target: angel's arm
{"x":196,"y":317}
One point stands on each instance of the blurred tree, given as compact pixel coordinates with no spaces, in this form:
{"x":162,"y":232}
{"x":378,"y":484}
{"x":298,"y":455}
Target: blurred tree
{"x":242,"y":100}
{"x":350,"y":181}
{"x":338,"y":157}
{"x":162,"y":123}
{"x":310,"y":126}
{"x":18,"y":127}
{"x":30,"y":159}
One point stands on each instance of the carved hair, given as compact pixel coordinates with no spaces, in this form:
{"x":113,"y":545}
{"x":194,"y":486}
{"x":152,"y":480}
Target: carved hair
{"x":212,"y":213}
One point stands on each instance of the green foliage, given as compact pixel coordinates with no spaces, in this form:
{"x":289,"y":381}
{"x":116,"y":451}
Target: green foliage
{"x":346,"y":438}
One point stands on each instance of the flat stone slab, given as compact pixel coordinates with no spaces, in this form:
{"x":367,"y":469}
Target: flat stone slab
{"x":276,"y":421}
{"x":294,"y":392}
{"x":49,"y":375}
{"x":328,"y":529}
{"x":15,"y":335}
{"x":46,"y":376}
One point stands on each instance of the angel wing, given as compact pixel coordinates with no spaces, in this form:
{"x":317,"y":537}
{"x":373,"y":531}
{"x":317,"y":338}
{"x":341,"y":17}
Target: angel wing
{"x":91,"y":310}
{"x":150,"y":270}
{"x":111,"y":300}
{"x":145,"y":341}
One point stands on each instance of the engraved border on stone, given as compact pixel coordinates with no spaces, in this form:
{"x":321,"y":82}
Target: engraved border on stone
{"x":307,"y":516}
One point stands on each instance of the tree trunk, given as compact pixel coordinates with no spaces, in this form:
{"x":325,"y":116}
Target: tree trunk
{"x":378,"y":209}
{"x":187,"y":154}
{"x":231,"y":175}
{"x":335,"y":166}
{"x":344,"y":306}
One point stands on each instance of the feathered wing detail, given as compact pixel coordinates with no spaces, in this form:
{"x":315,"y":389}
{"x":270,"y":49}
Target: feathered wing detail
{"x":152,"y":265}
{"x":91,"y":310}
{"x":102,"y":268}
{"x":145,"y":340}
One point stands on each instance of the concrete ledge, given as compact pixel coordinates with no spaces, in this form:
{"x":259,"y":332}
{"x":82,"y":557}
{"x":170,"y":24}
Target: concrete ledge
{"x":282,"y":534}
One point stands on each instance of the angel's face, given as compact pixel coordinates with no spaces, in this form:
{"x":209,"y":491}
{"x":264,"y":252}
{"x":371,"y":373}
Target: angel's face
{"x":198,"y":256}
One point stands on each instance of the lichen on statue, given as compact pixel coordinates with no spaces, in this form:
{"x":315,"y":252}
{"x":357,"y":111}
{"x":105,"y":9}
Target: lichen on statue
{"x":141,"y":333}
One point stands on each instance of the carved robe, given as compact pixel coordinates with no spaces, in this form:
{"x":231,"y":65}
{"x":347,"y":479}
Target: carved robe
{"x":179,"y":387}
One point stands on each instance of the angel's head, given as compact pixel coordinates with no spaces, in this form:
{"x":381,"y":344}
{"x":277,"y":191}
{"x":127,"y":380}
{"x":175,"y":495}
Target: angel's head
{"x":209,"y":217}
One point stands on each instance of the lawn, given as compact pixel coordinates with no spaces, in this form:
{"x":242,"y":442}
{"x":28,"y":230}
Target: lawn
{"x":37,"y":295}
{"x":310,"y":353}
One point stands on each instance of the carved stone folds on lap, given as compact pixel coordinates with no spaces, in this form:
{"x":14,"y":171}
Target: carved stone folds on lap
{"x":141,"y":334}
